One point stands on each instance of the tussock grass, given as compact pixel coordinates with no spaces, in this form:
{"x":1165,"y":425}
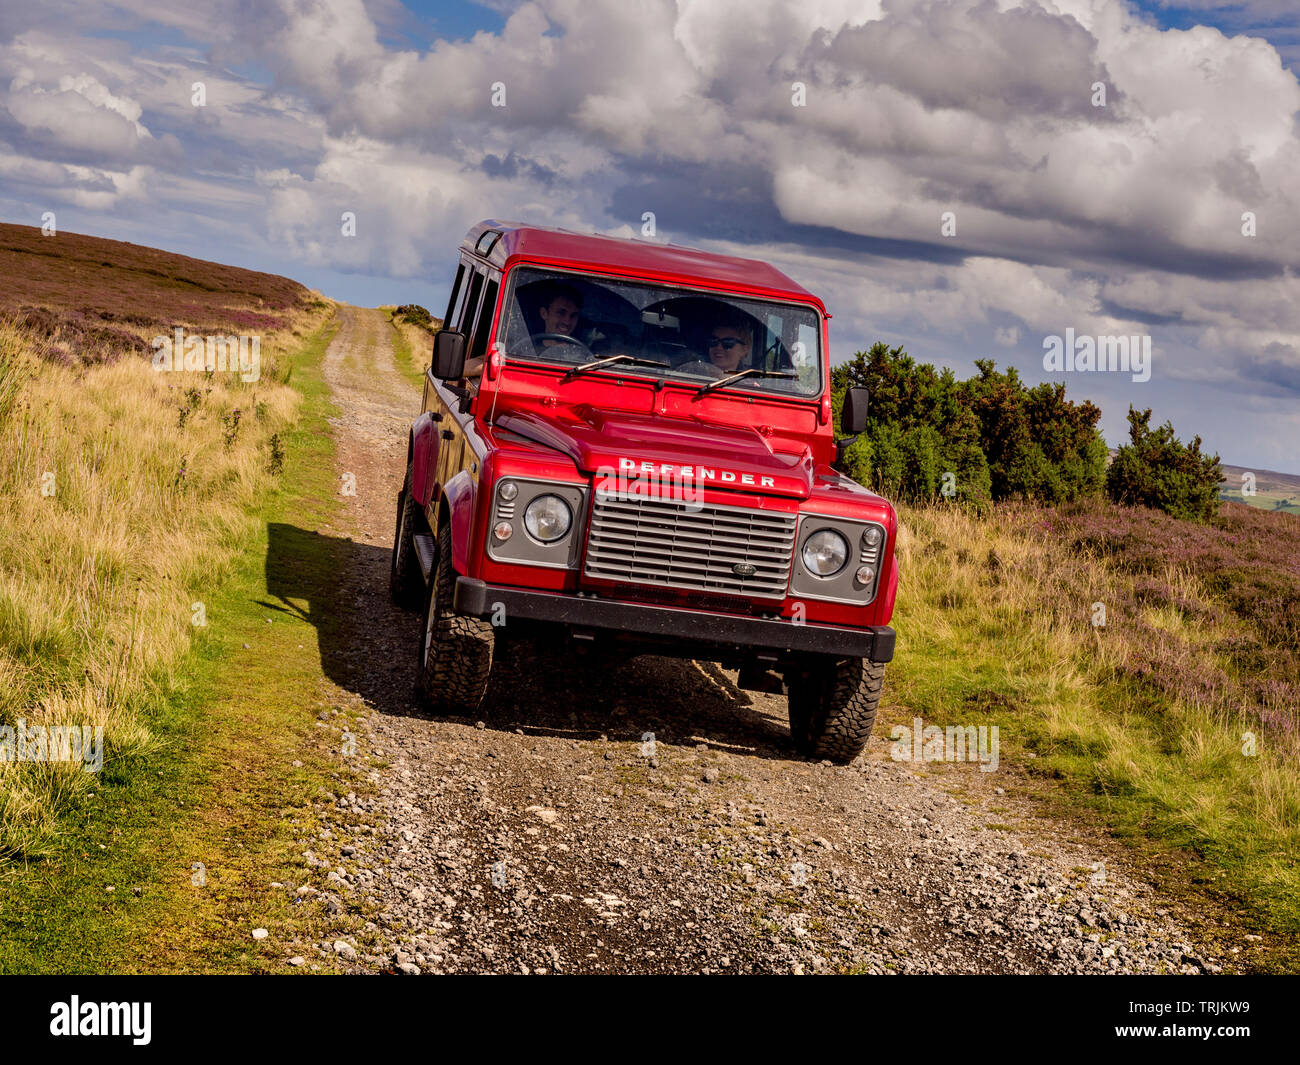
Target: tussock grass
{"x":1148,"y":716}
{"x":127,"y":495}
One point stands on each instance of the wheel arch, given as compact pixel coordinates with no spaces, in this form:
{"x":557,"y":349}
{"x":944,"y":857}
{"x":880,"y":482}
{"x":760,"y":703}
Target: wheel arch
{"x":456,"y":507}
{"x":421,"y":455}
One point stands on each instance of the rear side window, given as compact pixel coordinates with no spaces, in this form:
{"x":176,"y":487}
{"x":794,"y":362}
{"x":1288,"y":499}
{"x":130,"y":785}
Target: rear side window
{"x":471,"y":304}
{"x":456,"y":301}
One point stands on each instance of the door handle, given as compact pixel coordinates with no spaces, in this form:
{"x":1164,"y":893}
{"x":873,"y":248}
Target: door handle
{"x":447,"y":434}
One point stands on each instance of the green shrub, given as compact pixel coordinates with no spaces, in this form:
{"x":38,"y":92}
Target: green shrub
{"x":415,"y":314}
{"x":1039,"y":445}
{"x":1156,"y":470}
{"x":930,"y":436}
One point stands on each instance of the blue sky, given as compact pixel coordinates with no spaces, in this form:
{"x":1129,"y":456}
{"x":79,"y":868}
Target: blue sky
{"x":1275,"y":21}
{"x":458,"y":20}
{"x":1115,"y":218}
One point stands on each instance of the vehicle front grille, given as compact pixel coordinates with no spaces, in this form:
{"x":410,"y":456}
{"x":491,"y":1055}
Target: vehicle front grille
{"x":678,"y":544}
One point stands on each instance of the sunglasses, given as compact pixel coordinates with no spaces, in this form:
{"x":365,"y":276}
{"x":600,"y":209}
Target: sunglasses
{"x":726,"y":343}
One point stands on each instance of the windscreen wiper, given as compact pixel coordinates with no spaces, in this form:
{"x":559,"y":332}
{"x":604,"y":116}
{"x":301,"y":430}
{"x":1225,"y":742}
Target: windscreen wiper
{"x":753,"y":371}
{"x":598,"y":363}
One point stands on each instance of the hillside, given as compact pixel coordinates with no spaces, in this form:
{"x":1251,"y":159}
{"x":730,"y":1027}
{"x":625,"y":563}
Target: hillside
{"x":94,"y":299}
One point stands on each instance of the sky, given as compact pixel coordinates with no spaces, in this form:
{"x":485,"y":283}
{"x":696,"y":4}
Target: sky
{"x":965,"y":178}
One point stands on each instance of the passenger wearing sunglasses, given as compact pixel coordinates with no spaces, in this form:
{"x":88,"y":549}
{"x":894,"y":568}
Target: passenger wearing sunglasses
{"x":731,"y":345}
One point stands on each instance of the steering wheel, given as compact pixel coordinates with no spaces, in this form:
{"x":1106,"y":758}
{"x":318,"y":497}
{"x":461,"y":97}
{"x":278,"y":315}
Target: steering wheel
{"x":563,"y":338}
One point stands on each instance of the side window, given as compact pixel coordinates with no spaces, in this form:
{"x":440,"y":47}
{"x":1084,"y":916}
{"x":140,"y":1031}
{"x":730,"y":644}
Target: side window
{"x":456,"y":305}
{"x":467,"y":318}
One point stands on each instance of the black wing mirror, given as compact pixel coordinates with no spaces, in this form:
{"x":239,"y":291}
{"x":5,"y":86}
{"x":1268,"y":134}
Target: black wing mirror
{"x":853,"y":415}
{"x":448,"y":355}
{"x":853,"y":419}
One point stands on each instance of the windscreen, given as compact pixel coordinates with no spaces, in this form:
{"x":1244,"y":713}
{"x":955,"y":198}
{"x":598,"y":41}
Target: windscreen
{"x":679,"y":334}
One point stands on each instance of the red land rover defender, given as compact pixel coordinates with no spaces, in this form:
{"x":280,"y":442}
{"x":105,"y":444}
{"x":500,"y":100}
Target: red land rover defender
{"x":632,"y":443}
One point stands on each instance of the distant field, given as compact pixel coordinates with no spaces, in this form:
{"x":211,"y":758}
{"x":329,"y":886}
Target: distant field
{"x":1273,"y":490}
{"x":413,"y":343}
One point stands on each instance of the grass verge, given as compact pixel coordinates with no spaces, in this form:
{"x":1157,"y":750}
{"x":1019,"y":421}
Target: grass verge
{"x":1142,"y":723}
{"x":166,"y":862}
{"x":412,"y":345}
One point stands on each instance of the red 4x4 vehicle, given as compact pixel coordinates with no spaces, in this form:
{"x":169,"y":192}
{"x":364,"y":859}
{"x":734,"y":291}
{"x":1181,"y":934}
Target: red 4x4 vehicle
{"x":632,"y":443}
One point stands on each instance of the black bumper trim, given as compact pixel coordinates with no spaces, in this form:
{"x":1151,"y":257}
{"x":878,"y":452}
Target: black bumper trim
{"x":480,"y":599}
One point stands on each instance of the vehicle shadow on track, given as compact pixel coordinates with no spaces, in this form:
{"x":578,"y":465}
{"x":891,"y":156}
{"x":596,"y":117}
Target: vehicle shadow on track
{"x":369,"y":646}
{"x":568,"y":691}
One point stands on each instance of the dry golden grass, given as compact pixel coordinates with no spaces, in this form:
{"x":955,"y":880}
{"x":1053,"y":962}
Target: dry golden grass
{"x":127,"y":494}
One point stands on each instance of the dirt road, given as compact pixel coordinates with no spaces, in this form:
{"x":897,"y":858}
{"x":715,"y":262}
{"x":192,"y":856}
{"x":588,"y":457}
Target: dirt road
{"x":548,"y":836}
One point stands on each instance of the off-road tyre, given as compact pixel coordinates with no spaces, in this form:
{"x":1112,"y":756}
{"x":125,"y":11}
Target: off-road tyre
{"x":455,"y":650}
{"x":405,"y":580}
{"x":833,"y":707}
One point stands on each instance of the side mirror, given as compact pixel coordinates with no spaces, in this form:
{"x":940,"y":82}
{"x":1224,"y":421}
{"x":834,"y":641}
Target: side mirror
{"x":853,"y":415}
{"x":448,"y":354}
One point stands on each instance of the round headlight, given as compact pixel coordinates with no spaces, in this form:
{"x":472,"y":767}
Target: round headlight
{"x":872,"y":536}
{"x":548,"y":518}
{"x":509,"y":490}
{"x":825,"y":553}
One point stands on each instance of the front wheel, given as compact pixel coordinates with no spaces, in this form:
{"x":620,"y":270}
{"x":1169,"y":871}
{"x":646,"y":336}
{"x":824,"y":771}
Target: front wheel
{"x":455,"y":650}
{"x":833,"y":707}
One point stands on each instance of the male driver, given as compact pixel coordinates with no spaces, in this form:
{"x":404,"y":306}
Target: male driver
{"x":560,"y":312}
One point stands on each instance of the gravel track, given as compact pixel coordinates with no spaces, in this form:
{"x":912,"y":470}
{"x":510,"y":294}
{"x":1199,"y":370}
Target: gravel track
{"x":547,"y":836}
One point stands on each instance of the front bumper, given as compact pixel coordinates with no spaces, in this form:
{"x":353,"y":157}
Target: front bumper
{"x":482,"y":600}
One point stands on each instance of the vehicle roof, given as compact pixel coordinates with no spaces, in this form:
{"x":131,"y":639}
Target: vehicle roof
{"x":638,"y":258}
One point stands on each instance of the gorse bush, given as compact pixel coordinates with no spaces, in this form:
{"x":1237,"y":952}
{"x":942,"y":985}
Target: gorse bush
{"x":1038,"y":444}
{"x":1156,"y":470}
{"x":930,"y":436}
{"x":415,"y":314}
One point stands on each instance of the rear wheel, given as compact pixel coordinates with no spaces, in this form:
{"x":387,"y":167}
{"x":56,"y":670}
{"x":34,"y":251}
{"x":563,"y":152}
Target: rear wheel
{"x":455,"y":650}
{"x":833,"y":707}
{"x":405,"y":581}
